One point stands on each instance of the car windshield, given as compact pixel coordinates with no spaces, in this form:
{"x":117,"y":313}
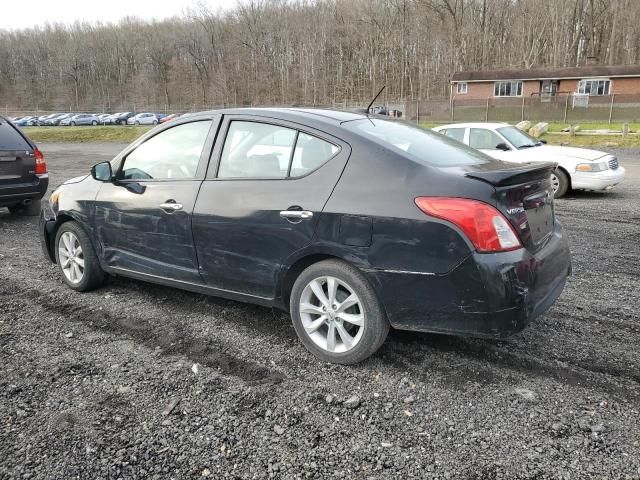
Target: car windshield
{"x":424,"y":146}
{"x":518,"y":138}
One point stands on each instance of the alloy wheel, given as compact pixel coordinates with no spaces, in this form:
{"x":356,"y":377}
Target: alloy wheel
{"x":332,"y":314}
{"x":71,"y":257}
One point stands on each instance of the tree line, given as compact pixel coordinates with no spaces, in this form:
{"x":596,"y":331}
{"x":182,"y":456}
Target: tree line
{"x":322,"y":52}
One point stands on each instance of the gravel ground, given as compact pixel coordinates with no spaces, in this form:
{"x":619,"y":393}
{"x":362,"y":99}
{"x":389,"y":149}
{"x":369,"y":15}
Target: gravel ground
{"x":86,"y":379}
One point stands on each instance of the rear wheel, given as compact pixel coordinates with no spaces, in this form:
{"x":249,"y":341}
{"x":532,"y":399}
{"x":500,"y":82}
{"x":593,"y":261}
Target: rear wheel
{"x":76,"y":258}
{"x":336,"y":313}
{"x":137,"y":122}
{"x":73,"y":124}
{"x":94,"y":123}
{"x":31,"y":210}
{"x":123,"y":122}
{"x":155,"y":122}
{"x":559,"y":183}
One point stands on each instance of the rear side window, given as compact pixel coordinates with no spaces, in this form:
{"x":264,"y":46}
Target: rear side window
{"x":455,"y":133}
{"x":10,"y":138}
{"x":311,"y":152}
{"x":482,"y":138}
{"x":261,"y":150}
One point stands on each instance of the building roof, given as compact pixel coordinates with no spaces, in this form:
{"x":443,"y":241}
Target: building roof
{"x":548,"y":73}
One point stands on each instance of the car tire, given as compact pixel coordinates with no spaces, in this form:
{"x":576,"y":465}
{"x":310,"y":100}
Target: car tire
{"x":72,"y":235}
{"x":94,"y":123}
{"x":31,"y":210}
{"x":73,"y":124}
{"x":559,"y":183}
{"x":123,"y":122}
{"x":155,"y":122}
{"x":137,"y":122}
{"x":314,"y":318}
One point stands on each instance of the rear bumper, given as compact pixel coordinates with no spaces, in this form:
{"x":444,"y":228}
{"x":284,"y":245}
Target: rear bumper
{"x":15,"y":194}
{"x":597,"y":180}
{"x":490,"y":295}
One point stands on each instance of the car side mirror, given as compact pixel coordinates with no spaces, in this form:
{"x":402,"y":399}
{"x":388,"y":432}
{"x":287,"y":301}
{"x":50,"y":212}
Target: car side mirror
{"x":503,"y":146}
{"x":102,"y":172}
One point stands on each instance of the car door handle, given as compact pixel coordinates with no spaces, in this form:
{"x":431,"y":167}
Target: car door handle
{"x":296,"y":214}
{"x":171,"y":206}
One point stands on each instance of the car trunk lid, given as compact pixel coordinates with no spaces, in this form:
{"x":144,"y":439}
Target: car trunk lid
{"x":525,"y":197}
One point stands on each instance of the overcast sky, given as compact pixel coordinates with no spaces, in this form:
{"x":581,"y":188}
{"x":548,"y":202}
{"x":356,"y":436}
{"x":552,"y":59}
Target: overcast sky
{"x":16,"y":14}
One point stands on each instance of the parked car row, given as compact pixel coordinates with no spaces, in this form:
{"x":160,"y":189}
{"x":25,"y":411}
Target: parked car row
{"x":80,"y":119}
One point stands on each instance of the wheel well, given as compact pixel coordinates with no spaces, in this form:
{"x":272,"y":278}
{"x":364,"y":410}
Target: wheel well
{"x":52,"y":235}
{"x":564,"y":170}
{"x":295,"y":270}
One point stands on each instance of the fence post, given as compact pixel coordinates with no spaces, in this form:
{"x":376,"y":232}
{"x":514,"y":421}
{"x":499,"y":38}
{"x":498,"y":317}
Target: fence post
{"x":417,"y":112}
{"x":453,"y":107}
{"x":566,"y":107}
{"x":611,"y":107}
{"x":486,"y":111}
{"x":522,"y":115}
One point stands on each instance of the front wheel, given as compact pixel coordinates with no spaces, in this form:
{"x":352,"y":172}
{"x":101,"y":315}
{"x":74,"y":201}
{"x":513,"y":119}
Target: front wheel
{"x":137,"y":122}
{"x":123,"y":122}
{"x":337,"y":314}
{"x":73,"y":124}
{"x":94,"y":123}
{"x":559,"y":183}
{"x":76,"y":258}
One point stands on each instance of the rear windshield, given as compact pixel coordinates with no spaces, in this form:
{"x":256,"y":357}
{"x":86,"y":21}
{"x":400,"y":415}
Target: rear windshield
{"x":421,"y":145}
{"x":10,"y":139}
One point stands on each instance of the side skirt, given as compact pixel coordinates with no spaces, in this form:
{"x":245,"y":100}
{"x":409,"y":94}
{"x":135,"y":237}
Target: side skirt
{"x":193,"y":287}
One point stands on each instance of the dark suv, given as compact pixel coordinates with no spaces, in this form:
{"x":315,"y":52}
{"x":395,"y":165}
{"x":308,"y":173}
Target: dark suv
{"x":23,"y":171}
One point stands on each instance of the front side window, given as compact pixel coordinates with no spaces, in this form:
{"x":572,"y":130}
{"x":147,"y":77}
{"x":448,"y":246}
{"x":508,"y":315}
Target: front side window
{"x":507,"y":89}
{"x":455,"y":133}
{"x":594,"y":87}
{"x":260,"y":150}
{"x":462,"y":88}
{"x":483,"y":139}
{"x":171,"y":154}
{"x":518,"y":138}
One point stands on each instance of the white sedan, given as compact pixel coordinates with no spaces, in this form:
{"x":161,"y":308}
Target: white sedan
{"x":578,"y":168}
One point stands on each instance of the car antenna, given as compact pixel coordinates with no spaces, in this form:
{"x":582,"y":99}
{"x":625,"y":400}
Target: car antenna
{"x":366,"y":110}
{"x":374,"y":98}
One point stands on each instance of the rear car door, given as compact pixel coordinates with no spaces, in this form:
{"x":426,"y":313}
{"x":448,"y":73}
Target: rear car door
{"x":19,"y":178}
{"x":143,"y":218}
{"x":261,"y":200}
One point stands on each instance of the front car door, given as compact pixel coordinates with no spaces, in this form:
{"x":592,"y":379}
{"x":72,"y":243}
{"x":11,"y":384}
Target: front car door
{"x":261,"y":200}
{"x":143,"y":218}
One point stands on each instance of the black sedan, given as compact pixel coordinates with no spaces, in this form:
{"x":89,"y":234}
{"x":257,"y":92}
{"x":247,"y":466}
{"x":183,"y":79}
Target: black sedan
{"x":351,"y":222}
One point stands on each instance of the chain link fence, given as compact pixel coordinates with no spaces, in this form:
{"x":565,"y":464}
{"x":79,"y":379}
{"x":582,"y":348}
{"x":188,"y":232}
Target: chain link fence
{"x":566,"y":108}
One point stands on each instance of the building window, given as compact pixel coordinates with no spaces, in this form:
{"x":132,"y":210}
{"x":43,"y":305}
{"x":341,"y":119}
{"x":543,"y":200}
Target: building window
{"x":462,"y":88}
{"x":507,"y":89}
{"x":594,"y":87}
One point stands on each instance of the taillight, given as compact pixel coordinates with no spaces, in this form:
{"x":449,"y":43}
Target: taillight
{"x":483,"y":224}
{"x":41,"y":164}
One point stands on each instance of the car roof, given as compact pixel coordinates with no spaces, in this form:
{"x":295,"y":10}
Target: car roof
{"x":490,"y":125}
{"x":302,"y":115}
